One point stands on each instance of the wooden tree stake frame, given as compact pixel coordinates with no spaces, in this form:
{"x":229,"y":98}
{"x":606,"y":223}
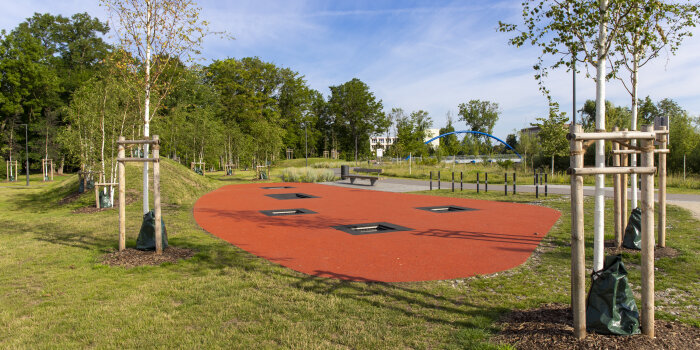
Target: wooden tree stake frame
{"x":121,"y":159}
{"x":259,"y":169}
{"x":83,"y":176}
{"x":578,"y":266}
{"x":203,"y":164}
{"x":9,"y":164}
{"x":47,"y":169}
{"x":662,"y":151}
{"x":227,"y":167}
{"x":97,"y":191}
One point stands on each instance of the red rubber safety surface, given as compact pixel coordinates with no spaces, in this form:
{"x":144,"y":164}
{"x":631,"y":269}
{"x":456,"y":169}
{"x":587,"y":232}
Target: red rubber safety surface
{"x":496,"y":237}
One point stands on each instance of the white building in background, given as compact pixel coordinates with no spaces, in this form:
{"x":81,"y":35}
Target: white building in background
{"x":429,"y":134}
{"x":376,"y":142}
{"x":383,"y":142}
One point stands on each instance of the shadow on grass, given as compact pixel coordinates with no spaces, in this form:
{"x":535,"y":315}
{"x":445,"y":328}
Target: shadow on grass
{"x":46,"y":199}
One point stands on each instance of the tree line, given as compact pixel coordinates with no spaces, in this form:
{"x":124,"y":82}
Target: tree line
{"x":78,"y":93}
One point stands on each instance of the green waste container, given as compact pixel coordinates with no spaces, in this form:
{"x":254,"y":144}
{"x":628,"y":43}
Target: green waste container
{"x":633,"y":231}
{"x":147,"y":234}
{"x":610,"y":308}
{"x":105,"y":201}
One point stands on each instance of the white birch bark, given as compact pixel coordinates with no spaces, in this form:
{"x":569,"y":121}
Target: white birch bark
{"x":633,"y":158}
{"x":599,"y":211}
{"x":147,"y":103}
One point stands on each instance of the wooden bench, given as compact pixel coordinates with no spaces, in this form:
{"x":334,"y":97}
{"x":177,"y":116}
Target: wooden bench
{"x":367,"y":170}
{"x":371,"y":178}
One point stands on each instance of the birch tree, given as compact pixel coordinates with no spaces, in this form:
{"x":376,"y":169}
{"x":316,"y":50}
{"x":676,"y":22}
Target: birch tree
{"x":563,"y":29}
{"x":654,"y":25}
{"x":169,"y":30}
{"x":552,"y":134}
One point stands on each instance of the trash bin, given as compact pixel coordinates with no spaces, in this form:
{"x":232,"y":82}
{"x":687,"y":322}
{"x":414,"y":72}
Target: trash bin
{"x":344,"y":171}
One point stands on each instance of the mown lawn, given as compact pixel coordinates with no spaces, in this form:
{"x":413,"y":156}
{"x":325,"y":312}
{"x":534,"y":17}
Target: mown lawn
{"x":55,"y":293}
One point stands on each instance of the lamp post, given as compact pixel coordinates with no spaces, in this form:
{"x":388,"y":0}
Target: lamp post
{"x":26,"y":151}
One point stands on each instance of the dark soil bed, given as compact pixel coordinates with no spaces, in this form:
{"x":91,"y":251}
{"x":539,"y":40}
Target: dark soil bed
{"x":665,"y":252}
{"x":69,"y":198}
{"x":132,"y":257}
{"x":551,"y":327}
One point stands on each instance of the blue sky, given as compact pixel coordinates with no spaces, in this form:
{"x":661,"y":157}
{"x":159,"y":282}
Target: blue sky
{"x":429,"y":55}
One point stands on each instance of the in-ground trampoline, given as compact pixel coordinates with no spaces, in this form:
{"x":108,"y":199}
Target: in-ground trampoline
{"x":364,"y":235}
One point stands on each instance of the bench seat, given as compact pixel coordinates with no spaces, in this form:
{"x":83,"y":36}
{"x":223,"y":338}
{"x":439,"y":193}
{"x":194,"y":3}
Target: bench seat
{"x":371,"y":178}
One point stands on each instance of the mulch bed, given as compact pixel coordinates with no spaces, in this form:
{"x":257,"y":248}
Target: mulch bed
{"x":131,"y":257}
{"x":665,"y":252}
{"x":551,"y":327}
{"x":69,"y":198}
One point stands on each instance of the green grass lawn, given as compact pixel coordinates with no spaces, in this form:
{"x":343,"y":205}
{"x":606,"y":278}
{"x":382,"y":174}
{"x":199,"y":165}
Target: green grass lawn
{"x":55,"y":293}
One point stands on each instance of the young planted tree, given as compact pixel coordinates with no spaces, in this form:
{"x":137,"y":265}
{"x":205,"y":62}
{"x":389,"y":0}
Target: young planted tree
{"x":168,"y":30}
{"x":563,"y":30}
{"x":552,"y":134}
{"x":411,"y":131}
{"x":450,"y":143}
{"x":654,"y":25}
{"x":103,"y":109}
{"x":528,"y":144}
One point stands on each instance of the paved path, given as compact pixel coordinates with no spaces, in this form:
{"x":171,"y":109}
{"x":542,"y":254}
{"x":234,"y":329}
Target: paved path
{"x":687,"y":201}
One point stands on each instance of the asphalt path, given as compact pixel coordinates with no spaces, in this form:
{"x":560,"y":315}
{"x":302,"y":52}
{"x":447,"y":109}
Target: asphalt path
{"x":687,"y":201}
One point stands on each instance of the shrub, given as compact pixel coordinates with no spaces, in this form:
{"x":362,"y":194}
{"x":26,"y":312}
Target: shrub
{"x":307,"y":175}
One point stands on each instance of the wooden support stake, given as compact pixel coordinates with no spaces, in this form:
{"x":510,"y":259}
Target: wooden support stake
{"x":122,"y":200}
{"x":619,"y":135}
{"x":578,"y":264}
{"x":647,"y":206}
{"x":662,"y":190}
{"x":97,"y":196}
{"x":617,"y":194}
{"x":611,"y":170}
{"x":156,"y":195}
{"x":631,"y":151}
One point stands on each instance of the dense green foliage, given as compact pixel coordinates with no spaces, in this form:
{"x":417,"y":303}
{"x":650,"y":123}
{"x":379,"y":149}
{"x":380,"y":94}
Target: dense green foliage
{"x":78,"y":94}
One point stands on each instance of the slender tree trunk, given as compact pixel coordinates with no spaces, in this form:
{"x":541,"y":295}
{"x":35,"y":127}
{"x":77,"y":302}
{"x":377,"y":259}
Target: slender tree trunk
{"x":552,"y":166}
{"x":147,"y":105}
{"x":633,"y":159}
{"x":599,"y":213}
{"x":60,"y":167}
{"x":356,"y":137}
